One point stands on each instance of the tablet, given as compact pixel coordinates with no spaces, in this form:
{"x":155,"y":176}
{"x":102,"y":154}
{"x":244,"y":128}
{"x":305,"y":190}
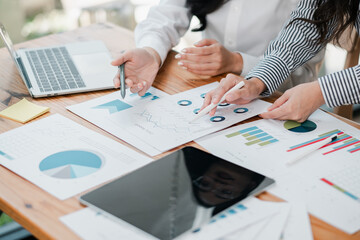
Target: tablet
{"x":177,"y":193}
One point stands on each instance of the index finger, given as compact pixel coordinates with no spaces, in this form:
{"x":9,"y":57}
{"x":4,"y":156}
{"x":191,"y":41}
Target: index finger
{"x":122,"y":58}
{"x":206,"y":50}
{"x":278,"y":113}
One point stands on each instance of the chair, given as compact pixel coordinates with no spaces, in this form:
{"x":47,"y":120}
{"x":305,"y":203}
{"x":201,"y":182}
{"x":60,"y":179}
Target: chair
{"x":352,"y":46}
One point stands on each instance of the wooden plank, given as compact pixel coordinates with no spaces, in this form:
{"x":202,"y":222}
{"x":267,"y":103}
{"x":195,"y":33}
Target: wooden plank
{"x":37,"y":210}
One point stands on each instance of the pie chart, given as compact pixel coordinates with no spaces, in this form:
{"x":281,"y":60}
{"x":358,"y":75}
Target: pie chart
{"x":304,"y":127}
{"x":71,"y":164}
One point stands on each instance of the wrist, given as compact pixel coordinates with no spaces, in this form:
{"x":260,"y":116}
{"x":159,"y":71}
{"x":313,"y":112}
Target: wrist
{"x":237,"y":63}
{"x":318,"y":93}
{"x":154,"y":54}
{"x":259,"y":85}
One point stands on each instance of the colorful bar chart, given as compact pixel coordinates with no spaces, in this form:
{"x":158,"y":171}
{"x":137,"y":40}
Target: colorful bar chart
{"x":340,"y":189}
{"x":254,"y":135}
{"x":343,"y":138}
{"x":231,"y":211}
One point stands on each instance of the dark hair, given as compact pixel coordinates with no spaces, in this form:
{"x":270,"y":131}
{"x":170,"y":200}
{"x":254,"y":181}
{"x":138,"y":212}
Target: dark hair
{"x":342,"y":13}
{"x":200,"y":8}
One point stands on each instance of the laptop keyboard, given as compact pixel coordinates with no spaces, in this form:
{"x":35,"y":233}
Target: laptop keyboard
{"x":54,"y":69}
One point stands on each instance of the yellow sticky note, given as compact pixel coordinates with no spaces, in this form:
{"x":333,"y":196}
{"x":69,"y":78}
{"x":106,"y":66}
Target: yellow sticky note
{"x":23,"y":111}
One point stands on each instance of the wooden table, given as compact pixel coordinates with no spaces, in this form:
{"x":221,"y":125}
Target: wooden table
{"x":37,"y":210}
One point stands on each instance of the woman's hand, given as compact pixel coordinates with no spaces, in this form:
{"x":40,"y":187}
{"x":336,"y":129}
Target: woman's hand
{"x":210,"y":58}
{"x":297,"y":103}
{"x":250,"y":91}
{"x":141,"y":67}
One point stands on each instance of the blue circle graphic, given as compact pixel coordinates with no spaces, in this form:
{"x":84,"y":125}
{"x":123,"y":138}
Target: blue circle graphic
{"x":203,"y":95}
{"x":217,"y":119}
{"x":184,"y":103}
{"x":71,"y":164}
{"x":241,"y":110}
{"x":196,"y":110}
{"x":224,"y":104}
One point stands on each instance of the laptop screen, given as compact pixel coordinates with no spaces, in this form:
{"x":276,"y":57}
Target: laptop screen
{"x":9,"y":45}
{"x":177,"y":193}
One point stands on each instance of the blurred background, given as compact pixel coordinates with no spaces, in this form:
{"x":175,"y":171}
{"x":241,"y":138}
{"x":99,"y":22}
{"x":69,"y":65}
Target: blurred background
{"x":26,"y":20}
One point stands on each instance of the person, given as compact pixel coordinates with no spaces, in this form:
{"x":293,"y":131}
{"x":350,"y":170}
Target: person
{"x":312,"y":25}
{"x":235,"y":36}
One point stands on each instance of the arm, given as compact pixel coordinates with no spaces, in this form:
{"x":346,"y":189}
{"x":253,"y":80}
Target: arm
{"x":210,"y":58}
{"x":293,"y":47}
{"x":165,"y":24}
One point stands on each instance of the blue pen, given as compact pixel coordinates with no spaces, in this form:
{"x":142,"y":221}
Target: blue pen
{"x":122,"y":80}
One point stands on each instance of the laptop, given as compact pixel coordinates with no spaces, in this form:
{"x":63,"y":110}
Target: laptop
{"x":64,"y":69}
{"x":176,"y":194}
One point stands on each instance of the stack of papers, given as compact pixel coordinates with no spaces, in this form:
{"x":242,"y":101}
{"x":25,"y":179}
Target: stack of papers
{"x":251,"y":219}
{"x":326,"y":180}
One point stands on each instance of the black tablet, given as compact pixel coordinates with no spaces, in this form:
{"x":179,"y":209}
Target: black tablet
{"x":176,"y":193}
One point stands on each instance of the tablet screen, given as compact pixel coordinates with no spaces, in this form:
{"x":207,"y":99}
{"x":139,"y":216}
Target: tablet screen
{"x":176,"y":193}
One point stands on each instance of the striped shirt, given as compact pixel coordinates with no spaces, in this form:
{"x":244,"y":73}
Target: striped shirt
{"x":293,"y":47}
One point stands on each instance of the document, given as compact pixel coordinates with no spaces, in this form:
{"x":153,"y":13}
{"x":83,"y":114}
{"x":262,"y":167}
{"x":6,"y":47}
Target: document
{"x":298,"y":225}
{"x":23,"y":111}
{"x":91,"y":225}
{"x":240,"y":216}
{"x":324,"y":180}
{"x":64,"y":158}
{"x":164,"y":124}
{"x":98,"y":112}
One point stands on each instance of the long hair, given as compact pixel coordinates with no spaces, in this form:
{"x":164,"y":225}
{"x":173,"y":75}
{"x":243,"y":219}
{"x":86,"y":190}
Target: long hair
{"x":200,"y":8}
{"x":343,"y":13}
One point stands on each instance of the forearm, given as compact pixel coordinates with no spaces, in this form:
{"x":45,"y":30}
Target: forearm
{"x":165,"y":24}
{"x":341,"y":88}
{"x":293,"y":47}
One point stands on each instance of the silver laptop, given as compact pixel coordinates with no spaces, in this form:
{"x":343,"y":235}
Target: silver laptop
{"x":65,"y":69}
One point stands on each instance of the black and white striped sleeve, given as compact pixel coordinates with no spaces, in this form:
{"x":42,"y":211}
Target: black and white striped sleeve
{"x":294,"y":46}
{"x":341,"y":88}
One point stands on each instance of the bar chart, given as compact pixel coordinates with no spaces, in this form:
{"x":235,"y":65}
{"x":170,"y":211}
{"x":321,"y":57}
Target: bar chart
{"x":343,"y":141}
{"x":254,"y":135}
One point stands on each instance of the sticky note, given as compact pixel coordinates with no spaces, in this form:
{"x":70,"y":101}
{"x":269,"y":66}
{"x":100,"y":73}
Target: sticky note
{"x":23,"y":111}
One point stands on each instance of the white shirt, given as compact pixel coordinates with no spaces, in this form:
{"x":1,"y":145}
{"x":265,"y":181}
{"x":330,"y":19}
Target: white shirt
{"x":245,"y":26}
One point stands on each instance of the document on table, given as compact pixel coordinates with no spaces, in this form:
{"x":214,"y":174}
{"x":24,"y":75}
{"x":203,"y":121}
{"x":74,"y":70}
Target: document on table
{"x":98,"y":110}
{"x":92,"y":225}
{"x":164,"y":124}
{"x":290,"y":223}
{"x":65,"y":158}
{"x":325,"y":180}
{"x":89,"y":224}
{"x":240,"y":216}
{"x":298,"y":225}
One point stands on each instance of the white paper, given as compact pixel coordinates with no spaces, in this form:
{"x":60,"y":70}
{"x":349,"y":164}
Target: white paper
{"x":302,"y":180}
{"x":275,"y":226}
{"x":298,"y":225}
{"x":98,"y":110}
{"x":91,"y":225}
{"x":164,"y":124}
{"x":65,"y":158}
{"x":250,"y":211}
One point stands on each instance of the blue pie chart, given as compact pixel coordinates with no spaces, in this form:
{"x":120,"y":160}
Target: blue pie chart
{"x":71,"y":164}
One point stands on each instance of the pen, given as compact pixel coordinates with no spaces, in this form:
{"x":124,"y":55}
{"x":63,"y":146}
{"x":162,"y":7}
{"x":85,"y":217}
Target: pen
{"x":122,"y":80}
{"x":212,"y":106}
{"x":315,"y":147}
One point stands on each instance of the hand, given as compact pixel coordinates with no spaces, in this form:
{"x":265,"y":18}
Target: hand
{"x":250,"y":91}
{"x":141,"y":67}
{"x":210,"y":58}
{"x":296,"y":103}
